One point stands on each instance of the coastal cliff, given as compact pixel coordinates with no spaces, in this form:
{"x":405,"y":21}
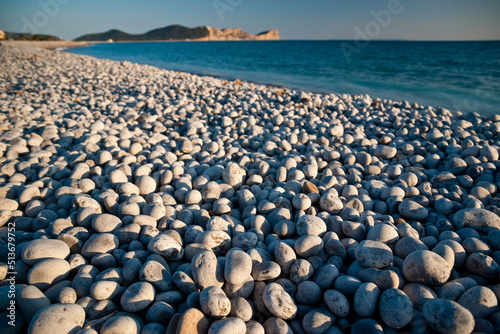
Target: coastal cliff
{"x":181,"y":33}
{"x":237,"y":34}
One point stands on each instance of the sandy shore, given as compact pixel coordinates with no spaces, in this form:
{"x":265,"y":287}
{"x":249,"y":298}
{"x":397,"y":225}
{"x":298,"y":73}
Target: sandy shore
{"x":135,"y":199}
{"x":48,"y":45}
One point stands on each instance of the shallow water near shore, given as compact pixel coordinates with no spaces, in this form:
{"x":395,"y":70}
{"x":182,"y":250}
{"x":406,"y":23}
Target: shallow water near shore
{"x":462,"y":76}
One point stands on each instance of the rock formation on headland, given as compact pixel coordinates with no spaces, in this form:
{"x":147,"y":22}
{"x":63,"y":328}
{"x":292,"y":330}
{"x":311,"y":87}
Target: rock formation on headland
{"x":237,"y":34}
{"x":180,"y":33}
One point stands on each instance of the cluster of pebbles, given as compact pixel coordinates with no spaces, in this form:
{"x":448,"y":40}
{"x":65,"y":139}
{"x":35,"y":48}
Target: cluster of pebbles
{"x":151,"y":201}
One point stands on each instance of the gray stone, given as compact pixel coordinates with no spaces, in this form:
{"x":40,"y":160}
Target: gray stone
{"x":238,"y":267}
{"x":137,"y":297}
{"x":58,"y":318}
{"x":373,"y":254}
{"x":337,"y":303}
{"x":480,"y":301}
{"x":317,"y":321}
{"x":206,"y":270}
{"x":279,"y":302}
{"x":426,"y":267}
{"x":366,"y":299}
{"x":40,"y":249}
{"x":48,"y":272}
{"x":447,"y":316}
{"x":214,"y":302}
{"x":478,"y":219}
{"x":395,"y":308}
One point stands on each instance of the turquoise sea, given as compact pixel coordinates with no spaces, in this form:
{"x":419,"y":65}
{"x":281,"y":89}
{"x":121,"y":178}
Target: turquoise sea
{"x":461,"y":76}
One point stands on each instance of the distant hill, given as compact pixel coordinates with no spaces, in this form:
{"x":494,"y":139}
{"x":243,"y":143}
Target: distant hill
{"x":27,"y":37}
{"x":181,"y":33}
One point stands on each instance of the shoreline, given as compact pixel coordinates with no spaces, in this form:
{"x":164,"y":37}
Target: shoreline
{"x":181,"y":201}
{"x":47,"y":45}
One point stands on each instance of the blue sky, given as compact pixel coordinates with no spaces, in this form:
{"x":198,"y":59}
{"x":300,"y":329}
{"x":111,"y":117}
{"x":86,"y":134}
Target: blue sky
{"x":306,"y":19}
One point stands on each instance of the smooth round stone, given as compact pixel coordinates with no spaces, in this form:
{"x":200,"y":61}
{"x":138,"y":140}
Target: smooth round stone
{"x":384,"y":152}
{"x":479,"y":300}
{"x":475,"y":245}
{"x":117,"y":176}
{"x":478,"y":219}
{"x":265,"y":270}
{"x":277,"y":325}
{"x":447,"y":316}
{"x":460,"y":255}
{"x":419,"y":294}
{"x":310,"y":225}
{"x":308,"y":293}
{"x":383,"y":233}
{"x":347,"y":285}
{"x":206,"y":270}
{"x":284,"y":228}
{"x":99,"y":243}
{"x":308,"y":245}
{"x":366,"y":299}
{"x":373,"y":254}
{"x":408,"y":245}
{"x":67,"y":295}
{"x":184,"y":282}
{"x":301,"y":202}
{"x":325,"y":276}
{"x":157,"y":274}
{"x":309,"y":187}
{"x":337,"y":303}
{"x":279,"y":302}
{"x":193,"y":321}
{"x":384,"y":279}
{"x":395,"y":308}
{"x":253,"y":327}
{"x":121,"y":324}
{"x":155,"y":328}
{"x":300,"y":271}
{"x":317,"y":321}
{"x":211,"y":192}
{"x":229,"y":325}
{"x":137,"y":297}
{"x":102,"y":290}
{"x":366,"y":326}
{"x":241,"y":308}
{"x":58,"y":318}
{"x":8,"y":204}
{"x":146,"y":184}
{"x":31,"y":300}
{"x":214,"y":302}
{"x":240,"y":290}
{"x":40,"y":249}
{"x":285,"y":256}
{"x":444,"y":206}
{"x":106,"y":223}
{"x":238,"y":267}
{"x":482,"y":265}
{"x":167,"y":247}
{"x":493,"y":239}
{"x":218,"y":241}
{"x":5,"y":216}
{"x":426,"y":267}
{"x":48,"y":272}
{"x":412,"y":210}
{"x":160,"y":312}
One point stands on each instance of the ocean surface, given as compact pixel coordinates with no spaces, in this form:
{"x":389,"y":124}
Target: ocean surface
{"x":461,"y":76}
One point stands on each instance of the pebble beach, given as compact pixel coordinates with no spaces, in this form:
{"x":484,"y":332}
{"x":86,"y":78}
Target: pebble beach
{"x":138,"y":200}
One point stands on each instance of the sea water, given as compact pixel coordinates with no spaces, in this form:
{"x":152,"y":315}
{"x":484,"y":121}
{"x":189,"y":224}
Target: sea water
{"x":462,"y":76}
